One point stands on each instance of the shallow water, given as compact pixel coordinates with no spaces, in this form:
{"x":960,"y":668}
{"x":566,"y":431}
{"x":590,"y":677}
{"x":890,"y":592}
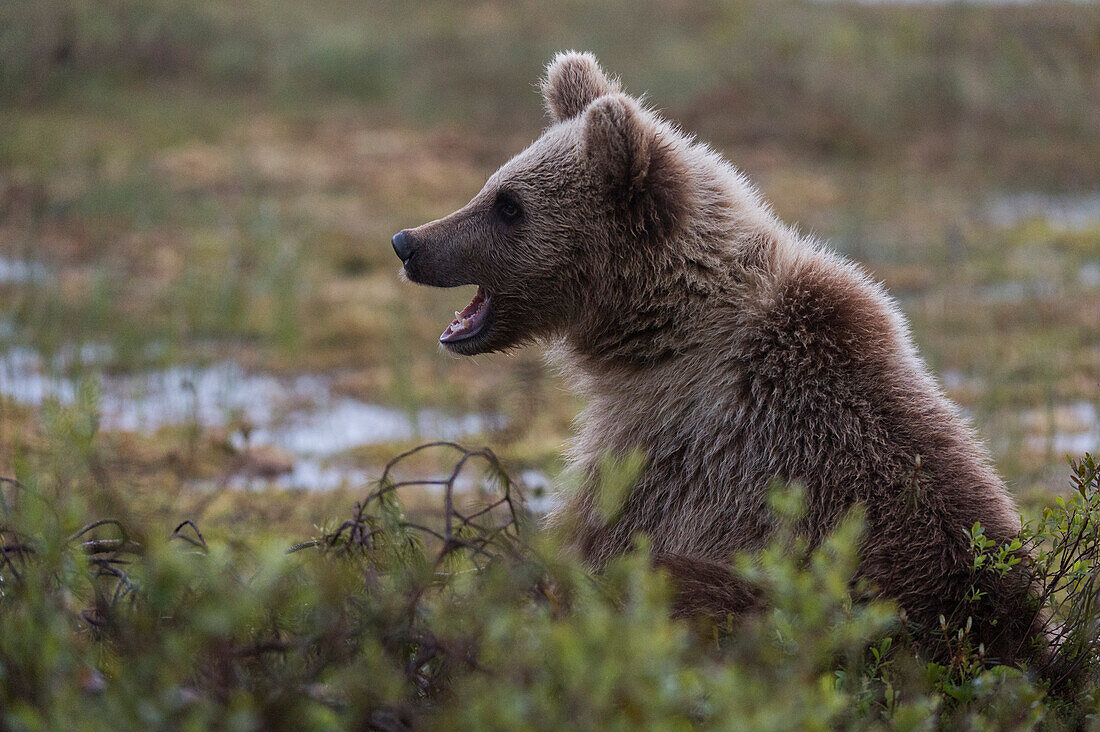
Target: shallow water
{"x":1017,"y":291}
{"x":301,"y":415}
{"x":21,"y":272}
{"x":1065,"y":212}
{"x":1065,"y":429}
{"x":538,"y":492}
{"x":1089,"y":274}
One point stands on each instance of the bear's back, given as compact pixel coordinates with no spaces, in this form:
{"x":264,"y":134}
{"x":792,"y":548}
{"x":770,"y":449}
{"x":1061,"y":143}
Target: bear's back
{"x":809,"y":376}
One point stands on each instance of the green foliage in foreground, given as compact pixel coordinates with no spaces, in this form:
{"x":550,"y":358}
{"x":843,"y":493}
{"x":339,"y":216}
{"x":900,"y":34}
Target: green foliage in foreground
{"x":384,"y":622}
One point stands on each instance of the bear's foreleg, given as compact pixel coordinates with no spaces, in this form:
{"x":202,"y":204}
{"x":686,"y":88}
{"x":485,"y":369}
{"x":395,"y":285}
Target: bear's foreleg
{"x":706,"y":587}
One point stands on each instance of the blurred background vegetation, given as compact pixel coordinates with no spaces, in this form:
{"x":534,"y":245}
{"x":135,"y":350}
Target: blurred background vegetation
{"x":200,"y":314}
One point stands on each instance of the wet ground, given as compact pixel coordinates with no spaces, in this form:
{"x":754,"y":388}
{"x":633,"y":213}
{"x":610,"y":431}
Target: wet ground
{"x":307,"y":429}
{"x":319,"y":351}
{"x":301,"y":417}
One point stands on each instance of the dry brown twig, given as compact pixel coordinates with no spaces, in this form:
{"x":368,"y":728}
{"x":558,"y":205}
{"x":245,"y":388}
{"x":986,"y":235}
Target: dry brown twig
{"x":477,"y":532}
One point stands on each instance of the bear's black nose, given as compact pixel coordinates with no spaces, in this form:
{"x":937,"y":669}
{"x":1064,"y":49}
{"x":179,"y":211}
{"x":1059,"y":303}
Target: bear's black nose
{"x":403,"y":245}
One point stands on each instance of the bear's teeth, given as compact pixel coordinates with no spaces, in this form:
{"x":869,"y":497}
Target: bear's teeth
{"x":457,"y":315}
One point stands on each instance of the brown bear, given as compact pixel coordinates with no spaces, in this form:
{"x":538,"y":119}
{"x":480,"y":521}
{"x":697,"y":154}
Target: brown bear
{"x":730,"y":351}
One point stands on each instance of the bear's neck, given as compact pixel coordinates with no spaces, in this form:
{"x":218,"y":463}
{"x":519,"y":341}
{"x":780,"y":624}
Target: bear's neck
{"x":661,"y":310}
{"x":664,"y":333}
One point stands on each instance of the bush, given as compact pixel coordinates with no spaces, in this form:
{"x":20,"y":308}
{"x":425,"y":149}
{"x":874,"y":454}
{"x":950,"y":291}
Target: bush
{"x":473,"y":622}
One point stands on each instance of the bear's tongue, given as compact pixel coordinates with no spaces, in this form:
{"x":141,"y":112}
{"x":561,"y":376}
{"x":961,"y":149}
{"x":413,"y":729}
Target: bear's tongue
{"x":469,"y":321}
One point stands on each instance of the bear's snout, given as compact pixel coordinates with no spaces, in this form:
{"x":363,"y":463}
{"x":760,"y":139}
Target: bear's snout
{"x":433,"y":254}
{"x":403,"y":246}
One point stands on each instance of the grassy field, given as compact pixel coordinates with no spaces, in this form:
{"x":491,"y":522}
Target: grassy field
{"x":186,"y":183}
{"x":189,"y":189}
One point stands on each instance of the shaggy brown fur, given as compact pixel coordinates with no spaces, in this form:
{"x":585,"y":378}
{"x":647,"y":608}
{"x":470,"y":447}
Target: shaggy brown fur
{"x":731,"y":351}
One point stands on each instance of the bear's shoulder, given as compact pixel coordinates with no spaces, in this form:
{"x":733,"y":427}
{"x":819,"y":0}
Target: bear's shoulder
{"x":821,"y":312}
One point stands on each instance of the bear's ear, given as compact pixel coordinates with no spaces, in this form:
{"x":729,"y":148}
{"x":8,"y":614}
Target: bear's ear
{"x":573,"y":81}
{"x":642,"y":174}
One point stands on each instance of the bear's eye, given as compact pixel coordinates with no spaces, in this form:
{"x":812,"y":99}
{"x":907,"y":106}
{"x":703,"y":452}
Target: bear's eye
{"x":508,"y":208}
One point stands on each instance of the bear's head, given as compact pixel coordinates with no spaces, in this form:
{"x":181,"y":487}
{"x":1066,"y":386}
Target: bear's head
{"x":557,"y":225}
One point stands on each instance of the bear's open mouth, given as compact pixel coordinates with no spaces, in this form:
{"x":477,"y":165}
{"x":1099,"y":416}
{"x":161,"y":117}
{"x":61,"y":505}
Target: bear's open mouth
{"x":470,"y":321}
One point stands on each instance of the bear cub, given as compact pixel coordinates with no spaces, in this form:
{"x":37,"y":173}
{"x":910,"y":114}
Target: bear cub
{"x":729,"y":351}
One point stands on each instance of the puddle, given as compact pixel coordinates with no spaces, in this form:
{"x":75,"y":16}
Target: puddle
{"x":1066,"y":429}
{"x":300,"y":415}
{"x":955,"y":380}
{"x":1064,"y":212}
{"x":307,"y":473}
{"x":1089,"y":274}
{"x":1017,"y":291}
{"x":21,"y":272}
{"x":538,"y":492}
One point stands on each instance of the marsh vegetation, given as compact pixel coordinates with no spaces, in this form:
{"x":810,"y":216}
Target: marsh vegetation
{"x":201,"y":319}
